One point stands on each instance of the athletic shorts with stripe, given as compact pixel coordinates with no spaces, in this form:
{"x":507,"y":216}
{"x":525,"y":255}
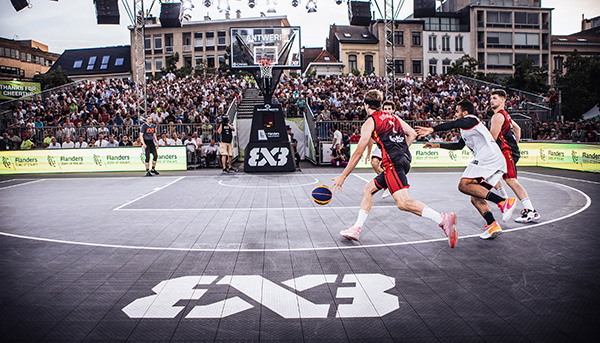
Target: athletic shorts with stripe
{"x":393,"y":177}
{"x":511,"y":164}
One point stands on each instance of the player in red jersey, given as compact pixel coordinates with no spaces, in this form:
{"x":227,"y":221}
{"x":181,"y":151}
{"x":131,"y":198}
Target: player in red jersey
{"x":393,"y":136}
{"x":507,"y":134}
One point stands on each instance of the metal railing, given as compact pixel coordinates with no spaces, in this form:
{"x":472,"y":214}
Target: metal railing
{"x":534,"y":98}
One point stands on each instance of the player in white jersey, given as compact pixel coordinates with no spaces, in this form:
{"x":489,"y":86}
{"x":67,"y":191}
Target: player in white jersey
{"x":484,"y":171}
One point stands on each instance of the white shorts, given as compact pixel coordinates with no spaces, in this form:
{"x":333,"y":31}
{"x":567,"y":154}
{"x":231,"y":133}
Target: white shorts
{"x":490,"y":175}
{"x":376,"y":152}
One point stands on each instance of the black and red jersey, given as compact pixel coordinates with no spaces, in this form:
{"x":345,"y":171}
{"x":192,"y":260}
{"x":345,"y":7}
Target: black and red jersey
{"x":390,"y":138}
{"x":506,"y":139}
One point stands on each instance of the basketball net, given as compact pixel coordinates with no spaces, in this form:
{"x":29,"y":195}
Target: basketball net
{"x":266,"y":67}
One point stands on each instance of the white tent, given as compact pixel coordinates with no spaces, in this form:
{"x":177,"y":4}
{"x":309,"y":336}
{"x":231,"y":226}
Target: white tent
{"x":592,"y":113}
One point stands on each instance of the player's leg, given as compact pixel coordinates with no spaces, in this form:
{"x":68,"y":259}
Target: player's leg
{"x":376,"y":164}
{"x":473,"y":183}
{"x":147,"y":162}
{"x":529,"y":214}
{"x":155,"y":155}
{"x":492,"y":228}
{"x":369,"y":190}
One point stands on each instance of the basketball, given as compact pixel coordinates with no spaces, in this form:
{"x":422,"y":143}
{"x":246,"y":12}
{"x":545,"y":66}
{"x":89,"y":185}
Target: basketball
{"x":322,"y":195}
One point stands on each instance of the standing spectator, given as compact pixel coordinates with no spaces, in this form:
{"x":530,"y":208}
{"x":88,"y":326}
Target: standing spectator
{"x":225,"y":132}
{"x":294,"y":144}
{"x":337,"y":157}
{"x":337,"y":137}
{"x":81,"y":143}
{"x":68,"y":143}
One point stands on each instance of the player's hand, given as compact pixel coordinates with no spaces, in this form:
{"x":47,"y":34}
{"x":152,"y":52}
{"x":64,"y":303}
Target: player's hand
{"x":338,"y":181}
{"x":367,"y":159}
{"x":144,"y":146}
{"x":424,"y":131}
{"x":431,"y":145}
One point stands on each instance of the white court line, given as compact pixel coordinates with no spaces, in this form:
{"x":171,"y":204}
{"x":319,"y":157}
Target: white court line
{"x":560,"y":177}
{"x":525,"y":227}
{"x":145,"y":195}
{"x":261,"y":187}
{"x":254,"y":208}
{"x":21,"y":184}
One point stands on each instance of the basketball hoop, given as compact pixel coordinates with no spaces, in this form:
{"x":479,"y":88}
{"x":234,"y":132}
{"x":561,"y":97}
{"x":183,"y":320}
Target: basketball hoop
{"x":266,"y":67}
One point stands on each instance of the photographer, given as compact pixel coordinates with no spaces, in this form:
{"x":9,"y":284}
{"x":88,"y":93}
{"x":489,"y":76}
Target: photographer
{"x":225,"y":132}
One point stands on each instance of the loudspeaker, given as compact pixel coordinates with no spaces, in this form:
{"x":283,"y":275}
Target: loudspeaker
{"x":424,"y":8}
{"x":359,"y":12}
{"x":19,"y":4}
{"x":107,"y":12}
{"x":169,"y":14}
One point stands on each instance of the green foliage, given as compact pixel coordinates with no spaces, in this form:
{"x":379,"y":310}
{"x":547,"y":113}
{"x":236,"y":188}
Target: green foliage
{"x":355,"y":72}
{"x":171,"y":63}
{"x":490,"y":77}
{"x":465,"y":66}
{"x":528,"y":77}
{"x":184,"y":71}
{"x":52,"y":78}
{"x":580,"y":85}
{"x":294,"y":75}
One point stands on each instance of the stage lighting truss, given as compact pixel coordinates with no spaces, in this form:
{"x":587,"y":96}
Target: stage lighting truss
{"x":271,"y":6}
{"x":311,"y":6}
{"x":252,"y":3}
{"x":223,"y":6}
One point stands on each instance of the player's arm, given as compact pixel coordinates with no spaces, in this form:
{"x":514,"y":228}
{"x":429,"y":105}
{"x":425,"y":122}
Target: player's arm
{"x":365,"y":138}
{"x":369,"y":148}
{"x":453,"y":146}
{"x":231,"y":127}
{"x":410,"y":133}
{"x":517,"y":129}
{"x":497,"y":121}
{"x":142,"y":137}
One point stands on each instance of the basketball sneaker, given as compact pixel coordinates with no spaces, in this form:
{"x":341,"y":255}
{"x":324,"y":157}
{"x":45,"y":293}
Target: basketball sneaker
{"x":154,"y":171}
{"x":491,"y":231}
{"x":351,"y":233}
{"x":386,"y":193}
{"x":148,"y":173}
{"x":528,"y":216}
{"x":448,"y":226}
{"x":507,"y":208}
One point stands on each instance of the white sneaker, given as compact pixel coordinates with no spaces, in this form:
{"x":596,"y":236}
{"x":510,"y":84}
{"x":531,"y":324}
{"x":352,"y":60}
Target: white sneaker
{"x":528,"y":216}
{"x":351,"y":233}
{"x":386,"y":193}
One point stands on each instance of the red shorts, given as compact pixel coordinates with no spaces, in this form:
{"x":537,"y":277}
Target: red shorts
{"x":393,"y":177}
{"x":511,"y":164}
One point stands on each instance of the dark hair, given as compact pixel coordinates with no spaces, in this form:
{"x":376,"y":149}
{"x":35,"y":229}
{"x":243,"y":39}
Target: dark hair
{"x":468,"y":106}
{"x":499,"y":92}
{"x":389,"y":103}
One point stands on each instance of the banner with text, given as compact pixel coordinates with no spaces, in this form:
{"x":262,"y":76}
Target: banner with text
{"x":580,"y":157}
{"x":88,"y":160}
{"x":10,"y":90}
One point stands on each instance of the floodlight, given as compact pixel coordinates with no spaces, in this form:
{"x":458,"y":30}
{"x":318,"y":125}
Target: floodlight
{"x":187,"y":5}
{"x":223,"y":6}
{"x":295,"y":3}
{"x":338,"y":2}
{"x":271,"y":5}
{"x":311,"y":6}
{"x":19,"y":4}
{"x":207,"y":3}
{"x":251,"y":3}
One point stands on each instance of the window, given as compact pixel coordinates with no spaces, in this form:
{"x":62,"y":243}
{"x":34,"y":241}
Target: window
{"x":535,"y":58}
{"x":433,"y":66}
{"x":527,"y":40}
{"x":1,"y":51}
{"x":365,"y":36}
{"x":77,"y":64}
{"x":198,"y":40}
{"x":347,"y":35}
{"x":445,"y":65}
{"x":148,"y":65}
{"x":432,"y":43}
{"x":29,"y":57}
{"x":168,"y":40}
{"x":446,"y":43}
{"x":444,"y":24}
{"x":369,"y":63}
{"x":398,"y":38}
{"x":458,"y":43}
{"x":23,"y":56}
{"x":499,"y":19}
{"x":147,"y":42}
{"x":416,"y":38}
{"x":527,"y":20}
{"x":210,"y":61}
{"x":210,"y":41}
{"x":119,"y":61}
{"x":186,"y":37}
{"x":221,"y":58}
{"x":199,"y":61}
{"x":221,"y":38}
{"x":399,"y":66}
{"x":499,"y":61}
{"x":499,"y":39}
{"x":326,"y":58}
{"x":352,"y":62}
{"x":91,"y":63}
{"x":42,"y":61}
{"x":417,"y":67}
{"x":558,"y":63}
{"x":158,"y":64}
{"x":105,"y":60}
{"x":157,"y":42}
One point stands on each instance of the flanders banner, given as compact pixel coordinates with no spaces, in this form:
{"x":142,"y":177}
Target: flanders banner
{"x":10,"y":90}
{"x":582,"y":157}
{"x":88,"y":160}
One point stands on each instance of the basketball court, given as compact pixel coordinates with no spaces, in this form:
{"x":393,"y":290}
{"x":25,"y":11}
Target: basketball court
{"x":201,"y":256}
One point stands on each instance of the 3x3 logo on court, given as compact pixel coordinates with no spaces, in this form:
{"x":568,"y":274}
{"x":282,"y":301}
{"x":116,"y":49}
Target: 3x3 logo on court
{"x":367,"y":293}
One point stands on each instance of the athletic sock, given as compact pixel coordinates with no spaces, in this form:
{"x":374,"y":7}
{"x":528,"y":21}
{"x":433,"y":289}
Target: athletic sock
{"x":527,"y":204}
{"x":432,"y":214}
{"x":495,"y":198}
{"x":489,"y":217}
{"x":362,"y":216}
{"x":502,"y":192}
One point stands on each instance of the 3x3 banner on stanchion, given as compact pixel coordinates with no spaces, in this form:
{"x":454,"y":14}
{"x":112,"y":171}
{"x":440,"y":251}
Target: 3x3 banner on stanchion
{"x":581,"y":157}
{"x":89,"y":160}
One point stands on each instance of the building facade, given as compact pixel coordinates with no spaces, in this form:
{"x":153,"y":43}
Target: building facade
{"x":113,"y":62}
{"x":325,"y":65}
{"x":587,"y":44}
{"x":355,"y":47}
{"x":23,"y":59}
{"x":201,"y":44}
{"x":408,"y":41}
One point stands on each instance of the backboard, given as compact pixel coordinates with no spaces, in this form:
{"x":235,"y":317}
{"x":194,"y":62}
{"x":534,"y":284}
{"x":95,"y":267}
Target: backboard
{"x":249,"y":45}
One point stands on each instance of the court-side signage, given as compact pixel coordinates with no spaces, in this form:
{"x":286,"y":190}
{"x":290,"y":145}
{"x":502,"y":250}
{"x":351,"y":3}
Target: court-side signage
{"x":367,"y":292}
{"x":580,"y":157}
{"x":88,"y":160}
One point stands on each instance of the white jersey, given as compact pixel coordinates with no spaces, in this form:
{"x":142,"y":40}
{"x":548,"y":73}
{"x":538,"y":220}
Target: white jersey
{"x":486,"y":152}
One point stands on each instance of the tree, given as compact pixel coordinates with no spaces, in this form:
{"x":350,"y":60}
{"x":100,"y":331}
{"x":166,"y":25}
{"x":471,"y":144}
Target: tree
{"x":528,"y":77}
{"x":171,"y":63}
{"x":465,"y":66}
{"x":580,"y":85}
{"x":51,"y":79}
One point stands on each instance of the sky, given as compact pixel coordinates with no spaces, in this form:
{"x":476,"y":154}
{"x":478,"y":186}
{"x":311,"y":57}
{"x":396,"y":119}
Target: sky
{"x":71,"y":24}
